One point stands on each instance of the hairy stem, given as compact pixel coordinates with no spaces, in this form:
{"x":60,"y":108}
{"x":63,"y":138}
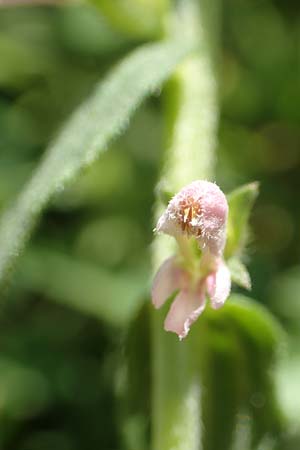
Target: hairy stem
{"x":192,"y":113}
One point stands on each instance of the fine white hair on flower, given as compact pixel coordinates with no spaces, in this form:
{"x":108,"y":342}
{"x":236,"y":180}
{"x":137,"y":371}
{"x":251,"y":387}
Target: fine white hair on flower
{"x":200,"y":209}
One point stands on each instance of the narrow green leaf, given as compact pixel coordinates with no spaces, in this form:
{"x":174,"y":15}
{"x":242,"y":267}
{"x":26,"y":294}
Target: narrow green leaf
{"x":103,"y":116}
{"x":240,"y":204}
{"x":239,"y":273}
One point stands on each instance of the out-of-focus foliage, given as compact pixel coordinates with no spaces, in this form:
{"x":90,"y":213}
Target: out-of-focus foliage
{"x":85,"y":273}
{"x":100,"y":118}
{"x":239,"y":348}
{"x":141,"y":19}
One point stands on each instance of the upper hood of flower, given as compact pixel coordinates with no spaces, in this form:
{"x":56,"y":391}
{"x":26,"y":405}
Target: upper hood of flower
{"x":200,"y":209}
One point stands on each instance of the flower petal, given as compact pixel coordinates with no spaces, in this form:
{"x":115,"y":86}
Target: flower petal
{"x":218,"y":285}
{"x":166,"y":281}
{"x":166,"y":224}
{"x":185,"y":309}
{"x":213,"y":218}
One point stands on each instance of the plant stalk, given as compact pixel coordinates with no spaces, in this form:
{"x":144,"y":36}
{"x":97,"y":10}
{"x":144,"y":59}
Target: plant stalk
{"x":191,"y":122}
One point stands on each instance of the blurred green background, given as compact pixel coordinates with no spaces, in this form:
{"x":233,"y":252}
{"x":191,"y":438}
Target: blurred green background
{"x":86,"y":272}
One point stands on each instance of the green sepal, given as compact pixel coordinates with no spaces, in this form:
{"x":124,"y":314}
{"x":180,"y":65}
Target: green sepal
{"x":239,"y":273}
{"x":240,"y":203}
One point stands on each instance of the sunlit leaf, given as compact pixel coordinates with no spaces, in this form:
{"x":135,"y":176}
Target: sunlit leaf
{"x":103,"y":116}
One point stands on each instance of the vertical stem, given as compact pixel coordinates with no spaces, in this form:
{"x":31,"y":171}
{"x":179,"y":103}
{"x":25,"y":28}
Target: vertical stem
{"x":192,"y":115}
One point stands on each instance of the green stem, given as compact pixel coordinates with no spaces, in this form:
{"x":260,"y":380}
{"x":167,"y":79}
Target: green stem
{"x":192,"y":115}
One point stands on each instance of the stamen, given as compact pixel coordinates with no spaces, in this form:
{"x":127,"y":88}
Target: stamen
{"x":188,"y":210}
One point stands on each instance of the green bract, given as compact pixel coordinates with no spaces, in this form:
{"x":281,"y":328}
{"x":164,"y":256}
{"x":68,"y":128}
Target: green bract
{"x":240,"y":204}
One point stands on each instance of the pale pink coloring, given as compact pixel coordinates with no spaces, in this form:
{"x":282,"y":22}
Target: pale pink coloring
{"x":199,"y":210}
{"x":191,"y":298}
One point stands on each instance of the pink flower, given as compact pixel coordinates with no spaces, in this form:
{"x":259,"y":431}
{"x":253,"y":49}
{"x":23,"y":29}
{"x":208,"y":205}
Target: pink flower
{"x":197,"y":213}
